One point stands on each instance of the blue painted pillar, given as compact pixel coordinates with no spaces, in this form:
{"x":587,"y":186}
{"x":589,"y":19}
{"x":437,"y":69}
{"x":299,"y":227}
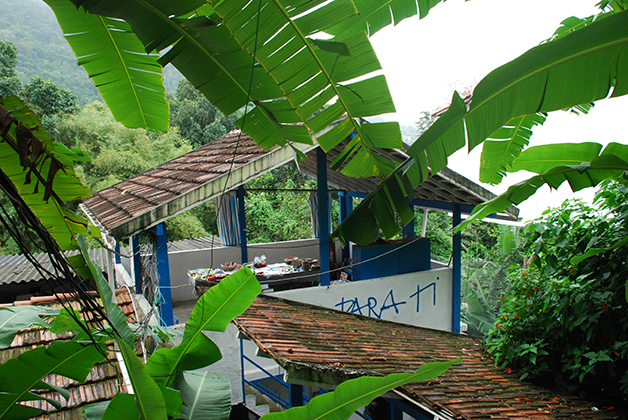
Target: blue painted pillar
{"x":137,"y":264}
{"x":323,"y":216}
{"x":346,"y":207}
{"x":117,"y":254}
{"x":163,"y":268}
{"x":456,"y":287}
{"x":242,"y":219}
{"x":296,"y":395}
{"x":408,"y":230}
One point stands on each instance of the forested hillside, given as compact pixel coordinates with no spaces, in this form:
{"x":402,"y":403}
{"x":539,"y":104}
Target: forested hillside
{"x":32,"y":27}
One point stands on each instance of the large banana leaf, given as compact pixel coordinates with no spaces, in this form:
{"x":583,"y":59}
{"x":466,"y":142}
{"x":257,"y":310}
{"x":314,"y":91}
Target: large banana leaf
{"x":213,"y":312}
{"x":129,"y":80}
{"x":205,"y":395}
{"x":505,"y":145}
{"x":581,"y":165}
{"x":292,"y":77}
{"x":34,"y":163}
{"x":580,"y":67}
{"x":356,"y":393}
{"x":13,"y":319}
{"x":26,"y":372}
{"x":374,"y":15}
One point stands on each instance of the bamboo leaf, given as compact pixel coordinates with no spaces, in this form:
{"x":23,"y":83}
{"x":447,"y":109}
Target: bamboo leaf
{"x":356,"y":393}
{"x":129,"y":80}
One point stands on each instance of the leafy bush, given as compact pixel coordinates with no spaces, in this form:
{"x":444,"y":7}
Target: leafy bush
{"x":565,"y":324}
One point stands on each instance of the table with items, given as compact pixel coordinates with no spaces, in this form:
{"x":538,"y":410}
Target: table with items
{"x":293,"y":272}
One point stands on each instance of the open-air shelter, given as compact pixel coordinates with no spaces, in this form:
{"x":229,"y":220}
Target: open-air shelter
{"x":144,"y":202}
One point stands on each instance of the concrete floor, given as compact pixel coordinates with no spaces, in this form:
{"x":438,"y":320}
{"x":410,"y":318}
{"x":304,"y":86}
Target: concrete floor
{"x":183,"y":309}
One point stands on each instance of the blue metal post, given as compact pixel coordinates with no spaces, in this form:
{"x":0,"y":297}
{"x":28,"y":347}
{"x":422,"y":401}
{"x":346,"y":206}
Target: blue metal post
{"x":296,"y":395}
{"x":242,"y":372}
{"x":117,"y":254}
{"x":408,"y":230}
{"x":163,"y":267}
{"x":456,"y":287}
{"x":137,"y":264}
{"x":323,"y":216}
{"x":346,"y":207}
{"x":242,"y":219}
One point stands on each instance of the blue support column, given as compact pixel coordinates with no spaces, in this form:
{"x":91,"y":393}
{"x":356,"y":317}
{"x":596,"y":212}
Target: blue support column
{"x":346,"y":207}
{"x":137,"y":264}
{"x":323,"y":216}
{"x":296,"y":395}
{"x":117,"y":254}
{"x":163,"y":268}
{"x":457,"y":279}
{"x":408,"y":230}
{"x":242,"y":219}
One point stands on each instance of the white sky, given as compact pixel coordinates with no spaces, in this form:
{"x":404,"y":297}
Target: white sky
{"x":459,"y":43}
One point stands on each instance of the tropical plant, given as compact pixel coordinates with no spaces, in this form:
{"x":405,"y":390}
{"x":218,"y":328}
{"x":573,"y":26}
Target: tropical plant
{"x":577,"y":66}
{"x":563,"y":323}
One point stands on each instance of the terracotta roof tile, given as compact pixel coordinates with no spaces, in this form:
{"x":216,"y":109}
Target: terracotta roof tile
{"x":307,"y":340}
{"x":101,"y":383}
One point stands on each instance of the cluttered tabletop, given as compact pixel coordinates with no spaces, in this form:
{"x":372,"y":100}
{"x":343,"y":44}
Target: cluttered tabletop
{"x":291,"y":273}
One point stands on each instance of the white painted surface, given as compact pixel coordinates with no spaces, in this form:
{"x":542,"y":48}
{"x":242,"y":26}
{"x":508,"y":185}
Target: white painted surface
{"x":422,"y":299}
{"x":182,"y":261}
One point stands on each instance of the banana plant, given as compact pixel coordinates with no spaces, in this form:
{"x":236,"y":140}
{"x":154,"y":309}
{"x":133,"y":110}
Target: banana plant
{"x":580,"y":67}
{"x":268,"y":56}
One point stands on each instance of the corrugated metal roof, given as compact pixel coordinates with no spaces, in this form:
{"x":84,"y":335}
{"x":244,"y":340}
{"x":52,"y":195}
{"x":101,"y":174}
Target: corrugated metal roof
{"x":18,"y":269}
{"x":101,"y":384}
{"x":320,"y":345}
{"x":163,"y":192}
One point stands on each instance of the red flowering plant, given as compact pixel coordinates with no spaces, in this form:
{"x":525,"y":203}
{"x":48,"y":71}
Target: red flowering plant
{"x":563,"y":320}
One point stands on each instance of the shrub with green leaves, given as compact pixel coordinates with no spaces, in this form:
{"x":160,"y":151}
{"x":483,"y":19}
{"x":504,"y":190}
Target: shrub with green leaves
{"x":563,"y":323}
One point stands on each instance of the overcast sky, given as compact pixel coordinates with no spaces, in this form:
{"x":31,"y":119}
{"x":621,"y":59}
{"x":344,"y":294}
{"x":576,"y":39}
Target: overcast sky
{"x":458,"y":44}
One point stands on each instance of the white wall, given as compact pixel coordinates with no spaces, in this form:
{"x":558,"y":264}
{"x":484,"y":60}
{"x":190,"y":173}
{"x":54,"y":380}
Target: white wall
{"x":182,"y":261}
{"x":422,"y":299}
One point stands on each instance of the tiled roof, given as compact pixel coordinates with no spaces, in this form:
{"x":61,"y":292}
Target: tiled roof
{"x":323,"y":346}
{"x":101,"y":384}
{"x":156,"y":195}
{"x":178,"y":178}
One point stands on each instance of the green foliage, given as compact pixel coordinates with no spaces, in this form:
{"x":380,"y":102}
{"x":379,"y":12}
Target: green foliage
{"x":356,"y":393}
{"x":48,"y":98}
{"x":117,"y":152}
{"x":9,"y":82}
{"x":564,"y":324}
{"x":438,"y":230}
{"x":32,"y":27}
{"x":197,"y":119}
{"x":275,"y":215}
{"x":577,"y":68}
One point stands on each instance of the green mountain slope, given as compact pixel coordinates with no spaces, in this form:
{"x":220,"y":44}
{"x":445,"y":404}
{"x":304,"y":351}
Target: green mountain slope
{"x":42,"y":50}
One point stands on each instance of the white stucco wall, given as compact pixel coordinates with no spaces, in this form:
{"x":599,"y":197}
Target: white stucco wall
{"x":422,"y":299}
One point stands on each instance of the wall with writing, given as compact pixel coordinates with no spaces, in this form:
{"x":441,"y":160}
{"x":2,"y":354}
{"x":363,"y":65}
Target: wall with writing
{"x":422,"y":298}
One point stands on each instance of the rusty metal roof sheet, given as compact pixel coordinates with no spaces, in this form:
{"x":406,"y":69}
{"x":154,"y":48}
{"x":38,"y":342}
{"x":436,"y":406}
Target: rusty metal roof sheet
{"x":318,"y":345}
{"x":101,"y":384}
{"x":163,"y":192}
